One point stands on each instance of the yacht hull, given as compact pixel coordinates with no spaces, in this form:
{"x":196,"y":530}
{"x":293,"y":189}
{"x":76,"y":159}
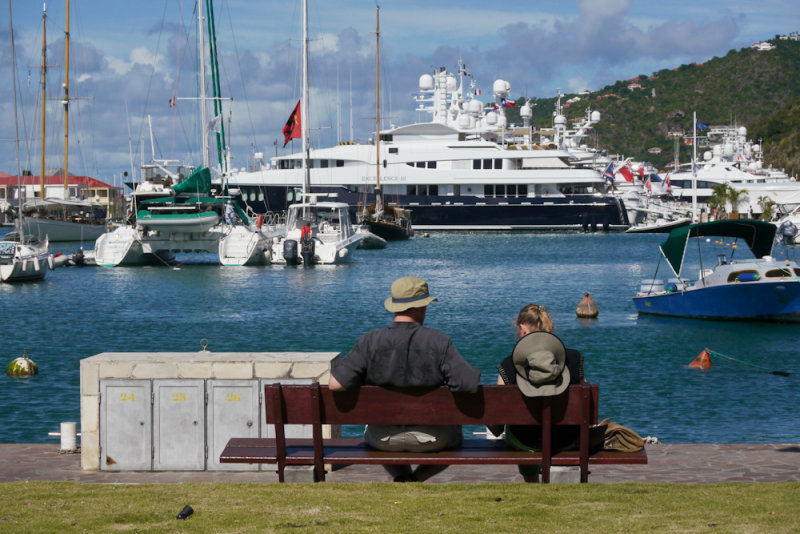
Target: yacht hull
{"x":54,"y":230}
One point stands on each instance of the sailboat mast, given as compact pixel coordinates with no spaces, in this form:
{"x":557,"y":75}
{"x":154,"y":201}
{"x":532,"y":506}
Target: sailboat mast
{"x":377,"y":104}
{"x":66,"y":104}
{"x":44,"y":87}
{"x":304,"y":118}
{"x":202,"y":58}
{"x":16,"y":124}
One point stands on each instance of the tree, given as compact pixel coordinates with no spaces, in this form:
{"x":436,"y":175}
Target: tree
{"x":767,"y":205}
{"x":736,"y":197}
{"x":720,"y":196}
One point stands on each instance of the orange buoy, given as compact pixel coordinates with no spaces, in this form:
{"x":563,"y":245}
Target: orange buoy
{"x":259,"y":220}
{"x":703,"y":361}
{"x":586,"y":308}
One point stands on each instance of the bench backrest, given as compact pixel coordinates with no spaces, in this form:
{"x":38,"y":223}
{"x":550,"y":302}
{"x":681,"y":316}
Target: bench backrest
{"x":316,"y":404}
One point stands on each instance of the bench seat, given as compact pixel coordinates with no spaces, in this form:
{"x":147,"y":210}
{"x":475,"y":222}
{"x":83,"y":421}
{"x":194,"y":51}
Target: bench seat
{"x":356,"y":451}
{"x":317,"y":405}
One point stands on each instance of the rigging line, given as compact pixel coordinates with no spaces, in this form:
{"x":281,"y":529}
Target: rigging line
{"x":241,"y":77}
{"x":178,"y":72}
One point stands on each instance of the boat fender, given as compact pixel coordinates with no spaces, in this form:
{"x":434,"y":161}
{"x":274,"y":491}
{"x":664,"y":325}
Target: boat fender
{"x":259,"y":220}
{"x":24,"y":265}
{"x":51,"y":262}
{"x":747,"y":277}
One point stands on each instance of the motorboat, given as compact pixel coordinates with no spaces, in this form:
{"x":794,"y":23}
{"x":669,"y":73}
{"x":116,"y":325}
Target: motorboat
{"x":756,"y":288}
{"x":317,"y":233}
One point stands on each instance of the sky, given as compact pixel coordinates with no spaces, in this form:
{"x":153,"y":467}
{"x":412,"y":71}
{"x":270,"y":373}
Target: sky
{"x":129,"y":59}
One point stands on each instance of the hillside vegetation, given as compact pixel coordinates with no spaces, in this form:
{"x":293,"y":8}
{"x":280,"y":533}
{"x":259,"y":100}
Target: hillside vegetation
{"x":759,"y":90}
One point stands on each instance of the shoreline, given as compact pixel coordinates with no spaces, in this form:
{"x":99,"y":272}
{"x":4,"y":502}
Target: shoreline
{"x":692,"y":463}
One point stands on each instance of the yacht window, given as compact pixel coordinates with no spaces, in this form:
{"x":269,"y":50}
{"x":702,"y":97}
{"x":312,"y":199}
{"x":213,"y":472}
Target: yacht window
{"x":411,"y":190}
{"x":487,"y":164}
{"x":386,"y":137}
{"x":420,"y":164}
{"x":778,"y":273}
{"x":324,"y":163}
{"x":433,"y":190}
{"x":431,"y":164}
{"x":260,"y":195}
{"x":522,"y":190}
{"x":500,"y":190}
{"x":456,"y":189}
{"x":488,"y":190}
{"x":252,"y":196}
{"x":476,"y":164}
{"x":498,"y":164}
{"x":410,"y":163}
{"x":339,"y":163}
{"x":393,"y":150}
{"x":289,"y":196}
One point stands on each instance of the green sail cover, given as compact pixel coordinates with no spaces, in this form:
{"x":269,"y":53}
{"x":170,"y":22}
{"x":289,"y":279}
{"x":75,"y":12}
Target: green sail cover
{"x":758,"y":235}
{"x":197,"y":183}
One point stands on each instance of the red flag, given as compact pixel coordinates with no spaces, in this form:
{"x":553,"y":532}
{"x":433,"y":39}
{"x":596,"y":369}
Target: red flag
{"x":669,"y":184}
{"x":172,"y":102}
{"x":625,"y":171}
{"x":292,"y":128}
{"x":641,"y":173}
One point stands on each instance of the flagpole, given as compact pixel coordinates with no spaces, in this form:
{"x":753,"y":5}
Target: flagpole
{"x":304,"y":119}
{"x":694,"y":167}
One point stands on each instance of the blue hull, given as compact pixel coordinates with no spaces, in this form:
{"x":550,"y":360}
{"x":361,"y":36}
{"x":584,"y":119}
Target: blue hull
{"x":778,"y":301}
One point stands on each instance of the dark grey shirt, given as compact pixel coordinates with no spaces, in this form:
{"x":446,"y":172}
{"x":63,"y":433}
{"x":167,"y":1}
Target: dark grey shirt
{"x":405,"y":355}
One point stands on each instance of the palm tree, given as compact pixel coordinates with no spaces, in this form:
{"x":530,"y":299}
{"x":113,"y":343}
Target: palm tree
{"x":736,"y":197}
{"x":767,"y":205}
{"x":720,"y":196}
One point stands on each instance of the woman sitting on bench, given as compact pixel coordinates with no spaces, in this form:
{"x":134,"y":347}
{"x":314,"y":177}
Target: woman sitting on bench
{"x":540,"y":366}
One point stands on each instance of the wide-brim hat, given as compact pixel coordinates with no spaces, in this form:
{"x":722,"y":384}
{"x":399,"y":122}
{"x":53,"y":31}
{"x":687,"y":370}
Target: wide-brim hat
{"x":408,"y":292}
{"x":540,"y":360}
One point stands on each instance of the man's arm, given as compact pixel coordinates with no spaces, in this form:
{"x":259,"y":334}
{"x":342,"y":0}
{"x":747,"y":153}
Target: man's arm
{"x":334,"y":384}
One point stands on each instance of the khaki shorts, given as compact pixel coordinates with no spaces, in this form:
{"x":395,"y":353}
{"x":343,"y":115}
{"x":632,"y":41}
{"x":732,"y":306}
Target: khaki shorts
{"x":412,"y":438}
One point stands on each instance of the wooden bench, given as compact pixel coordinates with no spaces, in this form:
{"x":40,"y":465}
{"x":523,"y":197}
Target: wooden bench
{"x":496,"y":405}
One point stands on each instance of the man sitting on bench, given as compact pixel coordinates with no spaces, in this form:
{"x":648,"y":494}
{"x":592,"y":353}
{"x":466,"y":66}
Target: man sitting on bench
{"x":407,"y":354}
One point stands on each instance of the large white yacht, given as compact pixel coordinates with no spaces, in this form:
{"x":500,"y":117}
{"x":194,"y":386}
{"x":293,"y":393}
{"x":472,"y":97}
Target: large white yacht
{"x":466,"y":169}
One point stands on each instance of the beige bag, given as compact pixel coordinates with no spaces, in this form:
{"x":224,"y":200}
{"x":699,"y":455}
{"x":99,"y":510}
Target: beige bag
{"x":621,"y":438}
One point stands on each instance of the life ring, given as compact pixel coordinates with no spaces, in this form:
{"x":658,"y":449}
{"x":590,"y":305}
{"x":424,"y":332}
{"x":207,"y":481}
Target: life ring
{"x":259,"y":220}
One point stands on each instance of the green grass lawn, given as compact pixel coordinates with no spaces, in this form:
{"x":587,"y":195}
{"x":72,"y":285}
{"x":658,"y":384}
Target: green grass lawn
{"x":387,"y":507}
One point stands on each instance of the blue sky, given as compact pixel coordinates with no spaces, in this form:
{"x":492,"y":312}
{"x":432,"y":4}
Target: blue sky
{"x":138,"y":55}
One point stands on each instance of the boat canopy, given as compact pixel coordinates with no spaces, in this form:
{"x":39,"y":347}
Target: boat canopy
{"x":759,"y":236}
{"x":198,"y":183}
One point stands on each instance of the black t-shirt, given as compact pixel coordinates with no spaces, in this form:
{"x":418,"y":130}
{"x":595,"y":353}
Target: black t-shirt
{"x":405,"y":355}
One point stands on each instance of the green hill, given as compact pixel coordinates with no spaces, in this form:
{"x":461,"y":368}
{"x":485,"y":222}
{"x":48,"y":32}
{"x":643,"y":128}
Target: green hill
{"x":760,"y":90}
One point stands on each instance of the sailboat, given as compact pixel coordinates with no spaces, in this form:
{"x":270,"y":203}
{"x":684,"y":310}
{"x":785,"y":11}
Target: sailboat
{"x":20,"y":261}
{"x":389,"y":222}
{"x":316,"y":232}
{"x":174,"y":210}
{"x":61,"y":219}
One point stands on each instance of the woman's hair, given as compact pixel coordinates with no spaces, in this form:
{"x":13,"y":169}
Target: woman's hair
{"x":536,"y":317}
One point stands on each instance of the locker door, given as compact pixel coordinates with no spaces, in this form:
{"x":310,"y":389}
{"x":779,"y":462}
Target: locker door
{"x":125,"y":425}
{"x":179,"y":425}
{"x":232,"y":413}
{"x":292,"y":431}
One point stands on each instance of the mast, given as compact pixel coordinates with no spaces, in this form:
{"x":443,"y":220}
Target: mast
{"x":378,"y":199}
{"x":66,"y":104}
{"x":202,"y":59}
{"x":16,"y":125}
{"x":304,"y":118}
{"x":44,"y":86}
{"x":694,"y":167}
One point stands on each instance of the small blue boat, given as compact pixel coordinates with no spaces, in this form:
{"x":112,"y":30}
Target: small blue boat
{"x":760,"y":288}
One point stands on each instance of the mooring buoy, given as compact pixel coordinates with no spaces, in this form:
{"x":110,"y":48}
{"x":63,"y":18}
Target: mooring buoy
{"x":586,"y":308}
{"x":22,"y":366}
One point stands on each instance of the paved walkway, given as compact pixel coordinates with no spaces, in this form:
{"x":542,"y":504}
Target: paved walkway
{"x":687,"y":463}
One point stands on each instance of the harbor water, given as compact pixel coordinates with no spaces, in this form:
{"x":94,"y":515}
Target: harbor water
{"x":481,"y":280}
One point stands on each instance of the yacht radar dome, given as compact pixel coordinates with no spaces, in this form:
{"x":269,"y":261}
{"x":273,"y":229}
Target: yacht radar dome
{"x":475,"y":107}
{"x":501,"y":88}
{"x":491,"y":118}
{"x":707,"y":155}
{"x":742,"y":131}
{"x":595,"y":116}
{"x":525,"y":111}
{"x":560,"y":120}
{"x":426,"y":82}
{"x":452,"y":83}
